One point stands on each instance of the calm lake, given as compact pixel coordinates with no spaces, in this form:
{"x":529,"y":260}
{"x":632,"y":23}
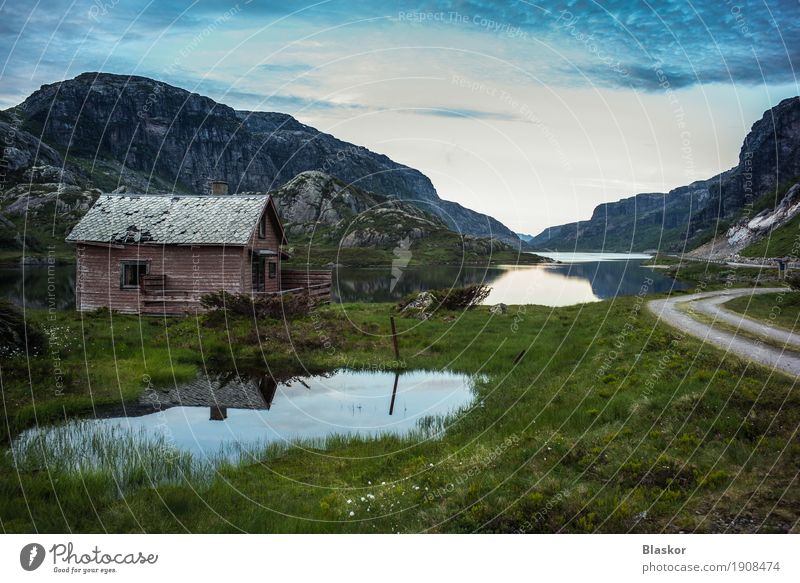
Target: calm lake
{"x":579,"y":278}
{"x":222,"y":414}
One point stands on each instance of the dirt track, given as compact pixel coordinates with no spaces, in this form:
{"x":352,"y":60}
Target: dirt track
{"x":777,"y":354}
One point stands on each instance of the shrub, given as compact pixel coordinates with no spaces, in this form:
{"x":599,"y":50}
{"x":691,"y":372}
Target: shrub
{"x":276,"y":306}
{"x":462,"y":298}
{"x":16,"y":335}
{"x":793,"y":279}
{"x":456,"y":298}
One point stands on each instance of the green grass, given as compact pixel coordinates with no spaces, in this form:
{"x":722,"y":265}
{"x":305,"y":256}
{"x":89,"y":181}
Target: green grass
{"x":776,"y":309}
{"x":610,"y":422}
{"x":713,"y":275}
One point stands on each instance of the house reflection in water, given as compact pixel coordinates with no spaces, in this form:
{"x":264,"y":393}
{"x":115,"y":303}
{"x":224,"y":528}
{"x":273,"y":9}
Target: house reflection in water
{"x":312,"y":407}
{"x":218,"y":393}
{"x":221,"y":392}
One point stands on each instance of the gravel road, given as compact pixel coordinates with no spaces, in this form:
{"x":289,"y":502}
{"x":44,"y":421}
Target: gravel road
{"x":710,"y":304}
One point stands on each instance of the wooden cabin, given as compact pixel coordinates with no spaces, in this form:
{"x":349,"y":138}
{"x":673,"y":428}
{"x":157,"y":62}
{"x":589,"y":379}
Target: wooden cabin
{"x":158,"y":254}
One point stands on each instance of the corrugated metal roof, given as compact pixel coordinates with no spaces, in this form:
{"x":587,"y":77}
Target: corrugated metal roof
{"x":171,"y":220}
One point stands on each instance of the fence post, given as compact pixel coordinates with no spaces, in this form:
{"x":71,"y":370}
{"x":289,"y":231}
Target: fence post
{"x":394,"y":338}
{"x":394,"y":392}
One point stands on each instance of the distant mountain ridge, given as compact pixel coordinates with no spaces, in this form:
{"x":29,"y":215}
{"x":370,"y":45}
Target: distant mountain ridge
{"x":145,"y":133}
{"x":689,"y":216}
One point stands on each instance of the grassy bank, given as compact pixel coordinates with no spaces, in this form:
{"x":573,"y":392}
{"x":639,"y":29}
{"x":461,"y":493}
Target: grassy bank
{"x":712,"y":275}
{"x":777,"y":309}
{"x":608,"y":422}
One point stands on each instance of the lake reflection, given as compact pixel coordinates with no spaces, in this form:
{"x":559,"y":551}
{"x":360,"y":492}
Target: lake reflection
{"x":41,"y":287}
{"x":581,"y":277}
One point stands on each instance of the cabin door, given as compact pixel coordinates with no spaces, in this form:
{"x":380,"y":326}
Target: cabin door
{"x":259,"y":273}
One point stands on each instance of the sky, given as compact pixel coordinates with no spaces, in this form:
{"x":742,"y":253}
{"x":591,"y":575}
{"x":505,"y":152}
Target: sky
{"x":533,"y":112}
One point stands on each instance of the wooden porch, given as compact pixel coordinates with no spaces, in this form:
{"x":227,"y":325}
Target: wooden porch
{"x":158,"y":297}
{"x":316,"y":282}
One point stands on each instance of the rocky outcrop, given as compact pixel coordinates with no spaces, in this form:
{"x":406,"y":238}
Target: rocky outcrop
{"x":684,"y":217}
{"x":183,"y":139}
{"x":22,"y":152}
{"x":748,"y":231}
{"x":318,"y":206}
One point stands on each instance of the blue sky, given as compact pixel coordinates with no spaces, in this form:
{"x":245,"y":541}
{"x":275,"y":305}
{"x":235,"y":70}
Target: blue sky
{"x":533,"y":112}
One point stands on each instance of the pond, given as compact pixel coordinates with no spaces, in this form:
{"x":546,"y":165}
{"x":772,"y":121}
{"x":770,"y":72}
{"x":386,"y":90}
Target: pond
{"x":578,"y":278}
{"x":223,"y":415}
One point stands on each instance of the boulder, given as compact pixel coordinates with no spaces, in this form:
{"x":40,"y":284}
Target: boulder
{"x":46,"y":174}
{"x":421,"y":307}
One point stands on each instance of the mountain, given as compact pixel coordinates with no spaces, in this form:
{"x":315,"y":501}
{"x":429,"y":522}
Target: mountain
{"x":127,"y":130}
{"x":690,"y":216}
{"x":330,"y":221}
{"x":315,"y":205}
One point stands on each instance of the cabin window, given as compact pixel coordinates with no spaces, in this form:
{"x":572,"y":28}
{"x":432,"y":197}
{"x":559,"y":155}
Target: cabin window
{"x":262,"y":227}
{"x":131,"y":273}
{"x":273,"y":269}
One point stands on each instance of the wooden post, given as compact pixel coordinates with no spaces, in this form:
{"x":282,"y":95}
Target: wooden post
{"x":394,"y":338}
{"x":519,"y":357}
{"x":394,"y":392}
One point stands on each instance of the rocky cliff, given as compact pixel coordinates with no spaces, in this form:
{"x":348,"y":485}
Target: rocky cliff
{"x":319,"y":207}
{"x":329,"y":220}
{"x":739,"y":238}
{"x":689,"y":216}
{"x":145,"y":133}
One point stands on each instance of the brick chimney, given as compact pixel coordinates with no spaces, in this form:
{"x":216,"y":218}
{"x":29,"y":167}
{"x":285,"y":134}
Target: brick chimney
{"x":219,"y":188}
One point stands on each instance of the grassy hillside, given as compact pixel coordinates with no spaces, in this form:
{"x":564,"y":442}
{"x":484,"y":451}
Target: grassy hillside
{"x":39,"y":230}
{"x":440,"y":248}
{"x":590,"y":431}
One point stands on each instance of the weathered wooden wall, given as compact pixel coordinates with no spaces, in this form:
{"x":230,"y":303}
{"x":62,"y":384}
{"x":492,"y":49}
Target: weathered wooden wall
{"x":191,"y":272}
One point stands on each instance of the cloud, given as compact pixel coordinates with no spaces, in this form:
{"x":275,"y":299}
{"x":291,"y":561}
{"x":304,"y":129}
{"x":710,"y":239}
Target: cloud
{"x":697,"y":42}
{"x":568,"y":43}
{"x":286,"y":68}
{"x":462,"y":113}
{"x":297,"y":102}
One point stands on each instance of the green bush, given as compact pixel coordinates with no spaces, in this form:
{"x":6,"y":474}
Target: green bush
{"x":16,"y":335}
{"x":277,"y":307}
